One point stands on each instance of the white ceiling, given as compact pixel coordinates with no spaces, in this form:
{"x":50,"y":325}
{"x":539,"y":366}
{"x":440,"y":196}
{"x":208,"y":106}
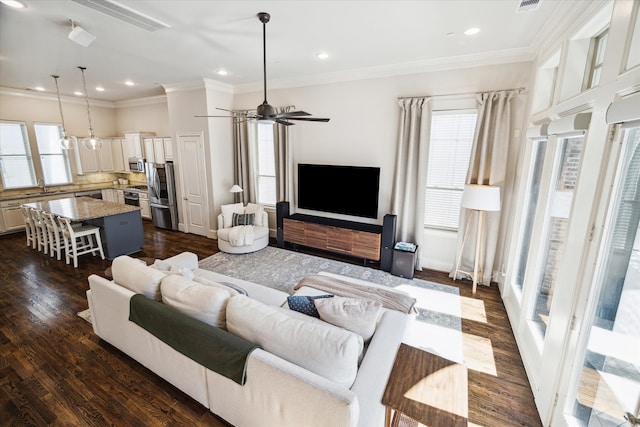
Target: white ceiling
{"x":361,"y":37}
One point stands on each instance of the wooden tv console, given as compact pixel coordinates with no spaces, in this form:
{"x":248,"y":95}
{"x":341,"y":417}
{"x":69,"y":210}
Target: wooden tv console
{"x":334,"y":235}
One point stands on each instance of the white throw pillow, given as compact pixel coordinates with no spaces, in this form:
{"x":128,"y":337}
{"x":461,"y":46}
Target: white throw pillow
{"x":228,"y":211}
{"x":321,"y":348}
{"x":353,"y":314}
{"x":137,"y":276}
{"x":252,"y":208}
{"x":203,"y":302}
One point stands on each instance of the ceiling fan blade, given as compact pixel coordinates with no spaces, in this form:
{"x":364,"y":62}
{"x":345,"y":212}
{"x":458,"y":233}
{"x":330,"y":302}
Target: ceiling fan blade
{"x":228,"y":117}
{"x":224,"y":109}
{"x":309,"y":119}
{"x":292,"y":114}
{"x":284,"y":122}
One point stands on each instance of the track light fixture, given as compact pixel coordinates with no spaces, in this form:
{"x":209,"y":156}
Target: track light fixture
{"x":93,"y":142}
{"x":66,"y":142}
{"x":80,"y":35}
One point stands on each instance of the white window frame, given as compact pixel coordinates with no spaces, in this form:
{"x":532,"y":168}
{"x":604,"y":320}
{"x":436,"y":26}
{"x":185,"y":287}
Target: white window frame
{"x":27,"y":155}
{"x":265,"y":165}
{"x":456,"y":189}
{"x":62,"y":153}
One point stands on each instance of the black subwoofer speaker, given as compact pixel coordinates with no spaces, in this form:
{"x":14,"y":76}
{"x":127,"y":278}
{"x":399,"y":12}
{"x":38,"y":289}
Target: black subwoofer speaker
{"x":388,"y":241}
{"x":282,"y":211}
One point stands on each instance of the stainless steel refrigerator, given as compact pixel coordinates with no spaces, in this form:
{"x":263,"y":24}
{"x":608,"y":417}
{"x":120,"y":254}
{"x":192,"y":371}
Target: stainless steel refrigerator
{"x":162,"y":195}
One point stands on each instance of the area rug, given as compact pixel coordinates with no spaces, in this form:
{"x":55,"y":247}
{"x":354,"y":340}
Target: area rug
{"x":438,"y":321}
{"x":85,"y":315}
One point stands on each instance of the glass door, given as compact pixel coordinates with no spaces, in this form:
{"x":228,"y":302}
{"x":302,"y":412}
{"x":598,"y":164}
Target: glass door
{"x":605,"y":388}
{"x":554,"y":233}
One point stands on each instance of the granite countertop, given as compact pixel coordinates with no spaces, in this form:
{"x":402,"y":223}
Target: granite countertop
{"x":82,"y":208}
{"x":12,"y":195}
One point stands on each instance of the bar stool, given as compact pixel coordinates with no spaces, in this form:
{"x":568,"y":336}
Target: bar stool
{"x":54,"y":234}
{"x":28,"y":226}
{"x":42,"y":236}
{"x":80,"y":240}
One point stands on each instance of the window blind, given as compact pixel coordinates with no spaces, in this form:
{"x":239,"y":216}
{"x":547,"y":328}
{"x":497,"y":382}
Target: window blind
{"x":449,"y":153}
{"x":54,"y":160}
{"x":266,"y":166}
{"x":16,"y":163}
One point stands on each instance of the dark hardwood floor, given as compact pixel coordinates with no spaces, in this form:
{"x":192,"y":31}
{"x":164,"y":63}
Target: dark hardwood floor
{"x":55,"y":371}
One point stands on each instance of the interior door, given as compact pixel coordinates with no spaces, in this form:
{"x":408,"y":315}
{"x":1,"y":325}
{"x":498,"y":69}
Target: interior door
{"x":193,"y":183}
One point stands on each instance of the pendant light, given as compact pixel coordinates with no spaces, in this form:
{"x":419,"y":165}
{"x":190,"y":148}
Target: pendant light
{"x":93,"y":142}
{"x":66,"y":142}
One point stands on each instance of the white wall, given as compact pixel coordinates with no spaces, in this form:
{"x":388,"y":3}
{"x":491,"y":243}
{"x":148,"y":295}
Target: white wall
{"x":143,"y":115}
{"x":364,"y":122}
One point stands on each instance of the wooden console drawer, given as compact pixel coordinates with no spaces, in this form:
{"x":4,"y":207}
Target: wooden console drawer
{"x":315,"y":235}
{"x":347,"y":240}
{"x":339,"y":240}
{"x":366,"y":245}
{"x":294,"y":231}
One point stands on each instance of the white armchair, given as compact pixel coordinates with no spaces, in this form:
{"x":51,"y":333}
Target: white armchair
{"x":235,"y":239}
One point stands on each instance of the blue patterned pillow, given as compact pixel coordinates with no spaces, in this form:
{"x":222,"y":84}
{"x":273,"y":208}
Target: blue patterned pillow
{"x":243,"y":219}
{"x":305,"y":305}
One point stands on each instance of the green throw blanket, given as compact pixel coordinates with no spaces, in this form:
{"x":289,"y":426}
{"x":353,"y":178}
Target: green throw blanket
{"x":211,"y":347}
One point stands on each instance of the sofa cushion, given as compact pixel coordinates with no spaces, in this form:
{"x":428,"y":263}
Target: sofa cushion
{"x":242,"y":219}
{"x":202,"y":302}
{"x":230,"y":287}
{"x":319,"y":347}
{"x":252,"y":208}
{"x":136,"y":276}
{"x":305,"y":305}
{"x":258,"y":233}
{"x":228,"y":211}
{"x":353,"y":314}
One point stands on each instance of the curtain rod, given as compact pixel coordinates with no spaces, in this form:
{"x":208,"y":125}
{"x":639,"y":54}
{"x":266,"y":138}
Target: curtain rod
{"x":518,"y":89}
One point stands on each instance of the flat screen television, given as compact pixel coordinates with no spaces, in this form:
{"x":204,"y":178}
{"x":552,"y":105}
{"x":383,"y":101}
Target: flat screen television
{"x":347,"y":190}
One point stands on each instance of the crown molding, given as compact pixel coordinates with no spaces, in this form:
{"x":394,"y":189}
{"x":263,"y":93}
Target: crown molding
{"x":140,"y":102}
{"x":392,"y":70}
{"x":43,"y":96}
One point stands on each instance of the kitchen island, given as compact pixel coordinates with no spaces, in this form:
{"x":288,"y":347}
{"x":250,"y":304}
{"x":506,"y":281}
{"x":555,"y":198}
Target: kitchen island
{"x":120,"y":225}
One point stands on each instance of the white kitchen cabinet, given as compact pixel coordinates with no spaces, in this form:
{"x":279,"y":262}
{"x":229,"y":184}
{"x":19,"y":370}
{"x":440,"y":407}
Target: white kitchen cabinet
{"x":168,"y":149}
{"x":119,"y":161}
{"x":86,"y":159}
{"x":93,"y":161}
{"x":145,"y":207}
{"x":120,"y":196}
{"x":158,"y":150}
{"x":149,"y":151}
{"x":110,"y":195}
{"x":12,"y":219}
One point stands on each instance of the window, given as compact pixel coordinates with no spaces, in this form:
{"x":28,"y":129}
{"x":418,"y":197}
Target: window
{"x":449,"y":153}
{"x":266,"y":165}
{"x":16,"y":163}
{"x":599,"y":45}
{"x":54,"y":160}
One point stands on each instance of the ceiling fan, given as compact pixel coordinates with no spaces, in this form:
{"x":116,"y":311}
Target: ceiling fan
{"x":265,"y":113}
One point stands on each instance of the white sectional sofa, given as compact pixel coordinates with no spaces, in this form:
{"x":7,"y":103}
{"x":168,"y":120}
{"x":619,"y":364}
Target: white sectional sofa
{"x":276,"y":392}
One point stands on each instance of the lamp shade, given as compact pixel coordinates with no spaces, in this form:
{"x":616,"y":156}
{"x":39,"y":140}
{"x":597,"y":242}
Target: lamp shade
{"x":481,"y":197}
{"x":235,"y":189}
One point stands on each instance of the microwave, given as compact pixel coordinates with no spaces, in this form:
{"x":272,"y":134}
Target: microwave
{"x":136,"y":164}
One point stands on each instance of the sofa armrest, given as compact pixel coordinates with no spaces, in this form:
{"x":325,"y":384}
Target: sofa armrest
{"x":220,"y":222}
{"x":282,"y":394}
{"x":377,"y":364}
{"x":265,"y":219}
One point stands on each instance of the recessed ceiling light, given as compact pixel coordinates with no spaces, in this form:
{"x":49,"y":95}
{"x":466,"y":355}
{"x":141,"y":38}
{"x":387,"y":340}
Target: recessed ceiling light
{"x":322,"y":55}
{"x":78,"y":93}
{"x":13,"y":3}
{"x":100,"y":89}
{"x":472,"y":31}
{"x":129,"y":83}
{"x":222,"y":72}
{"x":39,"y":88}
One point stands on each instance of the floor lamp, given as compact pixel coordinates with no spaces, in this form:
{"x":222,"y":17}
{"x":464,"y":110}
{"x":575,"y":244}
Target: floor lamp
{"x":236,"y":190}
{"x":479,"y":199}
